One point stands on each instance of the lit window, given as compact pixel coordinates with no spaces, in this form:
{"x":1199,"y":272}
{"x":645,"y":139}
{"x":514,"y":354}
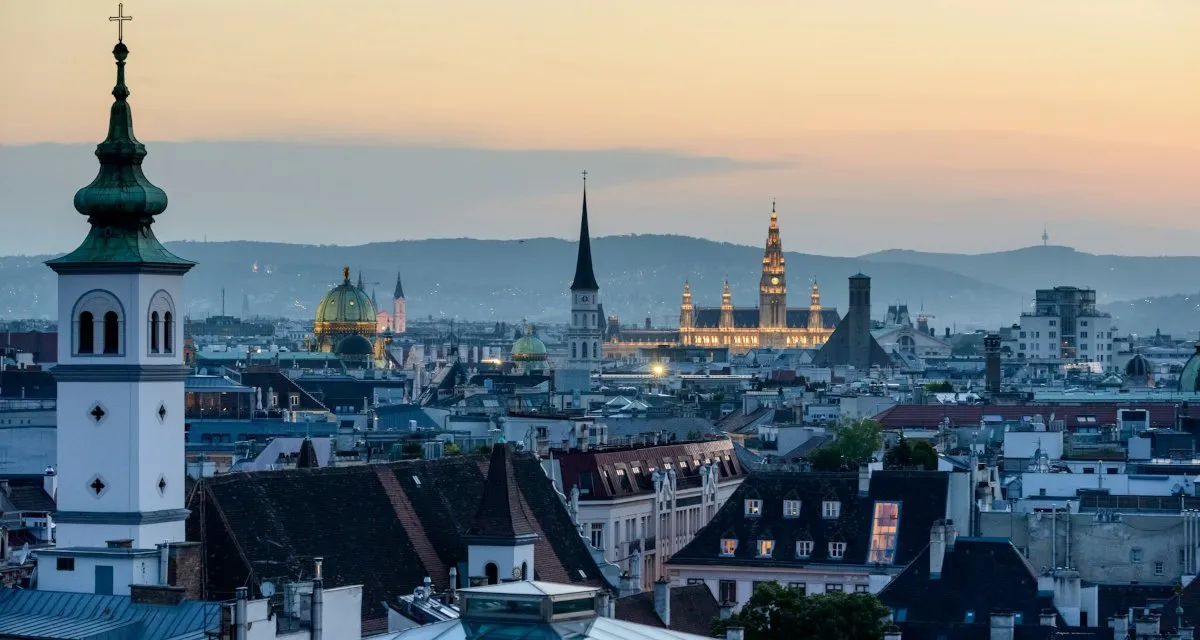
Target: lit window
{"x":791,"y":508}
{"x":804,"y":548}
{"x":831,"y":509}
{"x":884,"y":530}
{"x":766,"y":548}
{"x":753,"y":508}
{"x":837,"y":550}
{"x":728,"y":546}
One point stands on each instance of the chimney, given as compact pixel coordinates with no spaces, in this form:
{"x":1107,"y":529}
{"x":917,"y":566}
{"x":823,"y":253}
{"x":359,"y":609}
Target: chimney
{"x":937,"y":549}
{"x":603,"y":599}
{"x":951,"y":535}
{"x":50,"y":483}
{"x":735,"y":633}
{"x":240,"y":626}
{"x":627,"y":586}
{"x":991,"y":359}
{"x":1120,"y":626}
{"x":662,"y":601}
{"x":1186,"y":633}
{"x":1048,"y":618}
{"x":1147,"y":625}
{"x":317,"y":600}
{"x":892,"y":633}
{"x":726,"y":610}
{"x":1003,"y":626}
{"x":453,"y":585}
{"x":864,"y":479}
{"x":164,"y":564}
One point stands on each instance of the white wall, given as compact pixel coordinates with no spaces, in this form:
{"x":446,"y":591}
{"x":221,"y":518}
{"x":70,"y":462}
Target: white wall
{"x":126,"y":571}
{"x":815,"y":579}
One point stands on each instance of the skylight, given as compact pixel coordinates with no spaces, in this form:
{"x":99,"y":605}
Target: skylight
{"x":884,"y":530}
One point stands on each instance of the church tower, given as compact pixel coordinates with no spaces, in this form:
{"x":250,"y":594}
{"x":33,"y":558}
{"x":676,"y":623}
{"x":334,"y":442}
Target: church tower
{"x":726,"y":321}
{"x":501,"y":540}
{"x":814,"y":309}
{"x":772,"y":288}
{"x":399,"y":313}
{"x":686,"y":310}
{"x":120,"y":378}
{"x":585,"y":336}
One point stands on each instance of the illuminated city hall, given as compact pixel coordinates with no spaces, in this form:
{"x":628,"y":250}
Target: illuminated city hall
{"x":771,"y":323}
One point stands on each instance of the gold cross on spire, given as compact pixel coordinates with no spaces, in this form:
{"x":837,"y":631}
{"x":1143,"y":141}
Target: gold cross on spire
{"x":585,"y":176}
{"x":120,"y":19}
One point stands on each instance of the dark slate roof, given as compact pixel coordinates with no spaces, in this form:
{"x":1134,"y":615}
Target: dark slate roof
{"x":628,"y":471}
{"x":383,"y":526}
{"x":585,"y":277}
{"x":922,"y":495}
{"x":397,"y":416}
{"x":1118,"y":599}
{"x":836,"y":351}
{"x":29,"y":497}
{"x":500,"y":514}
{"x":28,"y":384}
{"x":692,"y":609}
{"x":901,"y":416}
{"x":980,"y":575}
{"x":981,"y":630}
{"x":399,"y":292}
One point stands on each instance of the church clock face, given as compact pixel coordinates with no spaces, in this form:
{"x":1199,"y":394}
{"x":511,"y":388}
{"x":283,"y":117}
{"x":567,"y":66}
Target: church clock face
{"x":583,"y":298}
{"x":774,"y":280}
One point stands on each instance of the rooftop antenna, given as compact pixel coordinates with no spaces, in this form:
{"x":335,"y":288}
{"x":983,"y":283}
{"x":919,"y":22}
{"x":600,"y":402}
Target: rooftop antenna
{"x":1045,"y":236}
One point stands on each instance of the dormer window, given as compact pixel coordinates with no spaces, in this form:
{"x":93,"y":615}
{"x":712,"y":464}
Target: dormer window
{"x":837,"y":550}
{"x":831,"y":509}
{"x":791,"y":509}
{"x":753,"y":508}
{"x":766,"y":548}
{"x":728,"y":546}
{"x":804,"y":549}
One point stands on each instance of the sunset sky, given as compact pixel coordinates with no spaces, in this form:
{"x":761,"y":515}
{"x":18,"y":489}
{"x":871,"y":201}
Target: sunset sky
{"x":874,"y":122}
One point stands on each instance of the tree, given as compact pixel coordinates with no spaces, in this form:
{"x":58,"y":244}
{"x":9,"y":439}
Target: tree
{"x":925,"y":456}
{"x":857,"y":441}
{"x":899,"y":456}
{"x":776,"y":613}
{"x":412,"y":451}
{"x":939,"y":387}
{"x":906,"y":455}
{"x":451,"y":449}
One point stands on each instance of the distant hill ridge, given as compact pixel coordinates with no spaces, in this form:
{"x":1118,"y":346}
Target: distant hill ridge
{"x":639,"y":275}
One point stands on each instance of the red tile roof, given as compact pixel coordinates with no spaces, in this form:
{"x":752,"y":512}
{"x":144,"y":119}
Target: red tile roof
{"x":913,"y":416}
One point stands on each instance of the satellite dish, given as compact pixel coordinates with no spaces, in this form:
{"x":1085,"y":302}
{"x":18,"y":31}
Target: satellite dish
{"x":267,"y":589}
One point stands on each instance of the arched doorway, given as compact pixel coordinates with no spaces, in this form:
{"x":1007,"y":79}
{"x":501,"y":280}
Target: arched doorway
{"x":492,"y":572}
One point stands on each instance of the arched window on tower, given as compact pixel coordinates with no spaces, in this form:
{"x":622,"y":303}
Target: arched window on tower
{"x":112,"y":332}
{"x":154,"y":327}
{"x":595,"y":349}
{"x":168,"y":333}
{"x":573,"y":351}
{"x":492,"y":572}
{"x":583,"y":349}
{"x":87,"y":332}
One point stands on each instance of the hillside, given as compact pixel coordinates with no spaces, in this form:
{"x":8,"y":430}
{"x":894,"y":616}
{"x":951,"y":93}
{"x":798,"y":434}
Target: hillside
{"x":486,"y":279}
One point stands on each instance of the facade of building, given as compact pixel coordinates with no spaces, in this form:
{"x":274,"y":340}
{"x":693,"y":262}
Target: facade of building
{"x":772,"y":323}
{"x":1066,"y":329}
{"x":646,"y":502}
{"x":818,"y":532}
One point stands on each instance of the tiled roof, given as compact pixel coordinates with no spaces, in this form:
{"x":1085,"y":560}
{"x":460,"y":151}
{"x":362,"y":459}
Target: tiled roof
{"x":901,"y":416}
{"x":922,"y":495}
{"x":607,"y":474}
{"x":30,"y":498}
{"x":385,"y":536}
{"x":836,"y":350}
{"x":500,"y":514}
{"x":692,"y":609}
{"x":979,"y":576}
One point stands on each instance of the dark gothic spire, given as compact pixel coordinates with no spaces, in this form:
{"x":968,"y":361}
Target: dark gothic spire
{"x":399,"y":293}
{"x":120,"y":196}
{"x":500,"y":516}
{"x":585,"y":278}
{"x":307,"y":459}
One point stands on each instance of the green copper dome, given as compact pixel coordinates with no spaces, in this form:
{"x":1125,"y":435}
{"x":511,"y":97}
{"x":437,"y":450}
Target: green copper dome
{"x":528,"y":347}
{"x":1189,"y":378}
{"x":120,"y":202}
{"x":346,"y":303}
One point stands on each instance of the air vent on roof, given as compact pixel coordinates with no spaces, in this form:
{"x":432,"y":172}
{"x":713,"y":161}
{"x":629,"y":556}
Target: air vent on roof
{"x":582,"y":575}
{"x":417,"y":481}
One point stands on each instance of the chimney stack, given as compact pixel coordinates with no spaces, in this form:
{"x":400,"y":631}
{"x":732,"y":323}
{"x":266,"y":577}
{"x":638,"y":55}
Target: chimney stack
{"x":317,"y":601}
{"x":892,"y":633}
{"x":602,"y":602}
{"x":991,"y":358}
{"x":662,"y":601}
{"x":951,"y":535}
{"x":240,"y":626}
{"x":50,"y":483}
{"x":1003,"y":626}
{"x":1048,"y":618}
{"x":1120,"y":626}
{"x":864,"y":479}
{"x":937,"y":549}
{"x":164,"y":563}
{"x":735,"y":633}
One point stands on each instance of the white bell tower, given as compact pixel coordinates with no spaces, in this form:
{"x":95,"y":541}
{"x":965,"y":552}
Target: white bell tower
{"x":120,"y":379}
{"x":585,"y":336}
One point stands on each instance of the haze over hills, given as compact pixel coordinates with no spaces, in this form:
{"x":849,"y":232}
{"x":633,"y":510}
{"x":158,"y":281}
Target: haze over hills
{"x":639,"y":275}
